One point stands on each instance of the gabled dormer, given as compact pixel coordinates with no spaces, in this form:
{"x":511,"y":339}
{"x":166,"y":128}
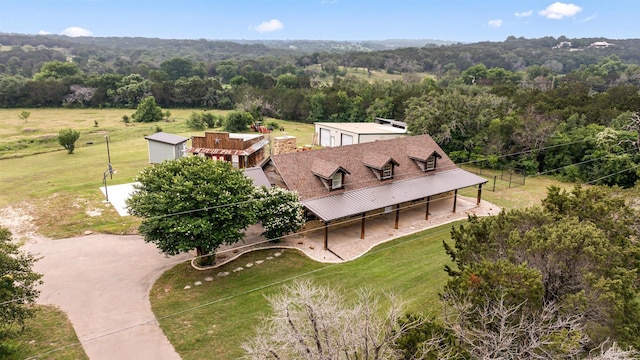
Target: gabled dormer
{"x":426,"y":159}
{"x":382,"y":166}
{"x":331,"y":174}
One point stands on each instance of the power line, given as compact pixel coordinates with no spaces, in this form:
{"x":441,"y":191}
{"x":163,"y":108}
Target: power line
{"x":333,"y":224}
{"x":290,"y":278}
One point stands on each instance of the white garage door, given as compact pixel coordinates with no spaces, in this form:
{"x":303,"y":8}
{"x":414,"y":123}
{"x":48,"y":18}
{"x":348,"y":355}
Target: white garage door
{"x":346,"y":139}
{"x":325,"y":137}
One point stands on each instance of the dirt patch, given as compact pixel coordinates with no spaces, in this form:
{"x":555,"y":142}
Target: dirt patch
{"x":93,"y":212}
{"x":18,"y":220}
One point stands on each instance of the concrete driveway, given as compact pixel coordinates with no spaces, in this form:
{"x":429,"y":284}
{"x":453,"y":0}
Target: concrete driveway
{"x":102,"y":282}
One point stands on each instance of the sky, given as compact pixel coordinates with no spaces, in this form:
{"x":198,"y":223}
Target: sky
{"x":354,"y":20}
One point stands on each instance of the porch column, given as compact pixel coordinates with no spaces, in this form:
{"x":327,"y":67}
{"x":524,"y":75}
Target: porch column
{"x":426,"y":214}
{"x":326,"y":235}
{"x":455,"y":200}
{"x":362,"y":227}
{"x":397,"y":215}
{"x":479,"y":194}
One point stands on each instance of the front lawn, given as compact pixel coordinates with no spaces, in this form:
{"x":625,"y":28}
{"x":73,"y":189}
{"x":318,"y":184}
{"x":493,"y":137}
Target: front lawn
{"x":48,"y":335}
{"x":211,"y":320}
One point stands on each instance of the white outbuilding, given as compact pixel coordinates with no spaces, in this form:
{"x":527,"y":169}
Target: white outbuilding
{"x":330,"y":134}
{"x":163,"y":146}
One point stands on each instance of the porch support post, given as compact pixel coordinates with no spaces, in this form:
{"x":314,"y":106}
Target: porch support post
{"x":479,"y":194}
{"x":326,"y":235}
{"x":362,"y":227}
{"x":397,"y":215}
{"x":455,"y":200}
{"x":426,"y":214}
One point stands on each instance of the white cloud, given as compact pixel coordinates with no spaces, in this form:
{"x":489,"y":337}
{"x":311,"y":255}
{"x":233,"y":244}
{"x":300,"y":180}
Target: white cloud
{"x":559,"y":10}
{"x":269,"y":26}
{"x":42,"y":32}
{"x":75,"y":31}
{"x":524,"y":13}
{"x":495,"y":23}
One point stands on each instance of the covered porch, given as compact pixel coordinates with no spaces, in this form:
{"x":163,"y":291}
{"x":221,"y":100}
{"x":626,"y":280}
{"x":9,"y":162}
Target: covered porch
{"x":345,"y":241}
{"x":395,"y":198}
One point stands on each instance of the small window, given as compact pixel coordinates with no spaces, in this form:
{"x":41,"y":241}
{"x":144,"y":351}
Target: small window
{"x":431,"y":163}
{"x":387,"y":171}
{"x":336,"y":181}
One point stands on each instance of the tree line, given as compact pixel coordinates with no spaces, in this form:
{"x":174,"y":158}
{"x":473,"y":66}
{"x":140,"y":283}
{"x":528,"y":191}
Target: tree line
{"x":566,"y":113}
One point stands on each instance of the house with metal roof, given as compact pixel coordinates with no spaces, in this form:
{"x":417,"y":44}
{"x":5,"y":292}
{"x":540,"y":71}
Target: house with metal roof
{"x":339,"y":134}
{"x":241,"y":150}
{"x":361,"y":180}
{"x":164,"y":146}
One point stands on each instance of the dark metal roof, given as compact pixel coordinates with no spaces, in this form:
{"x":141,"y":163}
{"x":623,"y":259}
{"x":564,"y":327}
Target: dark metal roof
{"x":248,"y":151}
{"x":167,"y":138}
{"x":257,"y":175}
{"x":363,"y":200}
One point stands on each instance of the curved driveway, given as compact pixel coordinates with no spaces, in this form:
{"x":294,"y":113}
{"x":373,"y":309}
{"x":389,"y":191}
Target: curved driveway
{"x":102,"y":282}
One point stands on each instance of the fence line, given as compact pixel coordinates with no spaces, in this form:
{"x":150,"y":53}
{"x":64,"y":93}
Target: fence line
{"x":499,"y":179}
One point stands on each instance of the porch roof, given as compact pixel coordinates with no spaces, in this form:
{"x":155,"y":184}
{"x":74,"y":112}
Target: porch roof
{"x":360,"y":201}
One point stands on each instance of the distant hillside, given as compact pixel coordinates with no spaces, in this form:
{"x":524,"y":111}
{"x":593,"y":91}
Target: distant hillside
{"x":23,"y":54}
{"x":252,"y":47}
{"x":332,"y":46}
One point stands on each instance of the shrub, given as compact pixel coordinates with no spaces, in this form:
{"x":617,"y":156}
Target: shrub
{"x":196,"y":122}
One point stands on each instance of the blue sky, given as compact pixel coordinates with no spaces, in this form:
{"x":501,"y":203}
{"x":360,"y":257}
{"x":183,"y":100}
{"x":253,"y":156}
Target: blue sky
{"x":457,"y":20}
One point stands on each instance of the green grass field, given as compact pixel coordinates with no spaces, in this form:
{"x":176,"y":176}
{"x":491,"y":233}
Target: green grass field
{"x":48,"y":335}
{"x":62,"y":190}
{"x":212,"y":320}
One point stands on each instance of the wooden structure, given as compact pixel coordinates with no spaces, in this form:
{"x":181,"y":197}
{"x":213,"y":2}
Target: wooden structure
{"x":241,"y":150}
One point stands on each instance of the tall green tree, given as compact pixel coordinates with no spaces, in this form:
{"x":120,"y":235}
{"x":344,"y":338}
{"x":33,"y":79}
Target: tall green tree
{"x":177,"y":68}
{"x":59,"y":70}
{"x":193,"y":203}
{"x":18,"y":284}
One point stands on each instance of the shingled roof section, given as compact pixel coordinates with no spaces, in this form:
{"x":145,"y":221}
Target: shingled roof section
{"x":326,"y":169}
{"x":296,"y":169}
{"x":422,"y":154}
{"x":377,"y":161}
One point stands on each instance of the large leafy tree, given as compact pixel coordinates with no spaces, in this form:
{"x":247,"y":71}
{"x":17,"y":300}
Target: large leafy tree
{"x":193,"y":203}
{"x":18,"y":284}
{"x":58,"y":70}
{"x":578,"y":251}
